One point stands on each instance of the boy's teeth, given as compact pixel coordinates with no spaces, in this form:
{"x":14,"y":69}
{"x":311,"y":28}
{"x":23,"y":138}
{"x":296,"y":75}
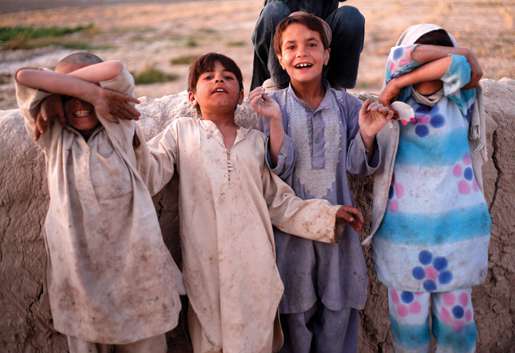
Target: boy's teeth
{"x":300,"y":66}
{"x":81,"y":113}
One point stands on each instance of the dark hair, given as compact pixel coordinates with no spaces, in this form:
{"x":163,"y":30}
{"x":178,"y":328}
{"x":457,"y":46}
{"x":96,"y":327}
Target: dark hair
{"x":312,"y":22}
{"x":437,"y":37}
{"x":206,"y":63}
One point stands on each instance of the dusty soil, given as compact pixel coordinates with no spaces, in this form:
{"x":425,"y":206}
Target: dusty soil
{"x":145,"y":35}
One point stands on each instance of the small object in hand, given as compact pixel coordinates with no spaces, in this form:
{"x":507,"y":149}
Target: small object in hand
{"x":405,"y":112}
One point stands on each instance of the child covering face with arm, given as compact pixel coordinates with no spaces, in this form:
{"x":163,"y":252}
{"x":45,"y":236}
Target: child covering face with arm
{"x":431,"y":233}
{"x":106,"y":253}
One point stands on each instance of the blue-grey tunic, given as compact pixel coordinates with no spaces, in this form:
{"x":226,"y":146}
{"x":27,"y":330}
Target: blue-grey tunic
{"x":319,"y":148}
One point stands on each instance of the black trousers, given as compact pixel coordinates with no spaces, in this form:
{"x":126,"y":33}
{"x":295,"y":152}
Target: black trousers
{"x":347,"y":24}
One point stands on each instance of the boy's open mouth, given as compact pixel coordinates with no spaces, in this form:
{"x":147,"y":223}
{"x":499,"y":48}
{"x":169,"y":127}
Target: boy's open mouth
{"x":81,"y":114}
{"x":218,"y":90}
{"x":303,"y":65}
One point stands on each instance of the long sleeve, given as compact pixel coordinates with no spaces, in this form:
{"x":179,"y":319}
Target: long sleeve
{"x":457,"y":76}
{"x":286,"y":159}
{"x":357,"y":161}
{"x":156,"y":158}
{"x":29,"y":100}
{"x":311,"y":219}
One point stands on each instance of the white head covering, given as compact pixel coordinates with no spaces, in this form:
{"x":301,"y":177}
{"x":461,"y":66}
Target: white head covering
{"x":413,"y":33}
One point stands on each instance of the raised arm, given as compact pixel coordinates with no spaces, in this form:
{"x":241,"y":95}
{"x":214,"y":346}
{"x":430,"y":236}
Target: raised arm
{"x":96,"y":73}
{"x":280,"y":153}
{"x":81,"y":84}
{"x":427,"y":53}
{"x":265,"y":106}
{"x":58,"y":83}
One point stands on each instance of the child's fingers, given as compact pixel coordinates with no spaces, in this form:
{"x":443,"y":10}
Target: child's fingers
{"x":133,"y":100}
{"x":129,"y":112}
{"x":355,"y":212}
{"x":343,"y":214}
{"x":366,"y":105}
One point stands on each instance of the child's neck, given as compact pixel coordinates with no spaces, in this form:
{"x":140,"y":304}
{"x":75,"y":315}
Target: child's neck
{"x":225,"y":124}
{"x":311,"y":93}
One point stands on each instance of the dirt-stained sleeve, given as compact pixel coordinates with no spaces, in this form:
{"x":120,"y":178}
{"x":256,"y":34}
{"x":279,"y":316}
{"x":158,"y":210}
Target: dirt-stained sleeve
{"x":29,"y":100}
{"x":157,"y":157}
{"x":310,"y":219}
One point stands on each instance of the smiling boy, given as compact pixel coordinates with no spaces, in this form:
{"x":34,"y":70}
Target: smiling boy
{"x":111,"y":280}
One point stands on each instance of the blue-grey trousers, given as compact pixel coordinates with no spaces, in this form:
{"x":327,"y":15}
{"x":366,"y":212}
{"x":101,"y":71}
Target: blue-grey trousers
{"x":348,"y":26}
{"x":320,"y":330}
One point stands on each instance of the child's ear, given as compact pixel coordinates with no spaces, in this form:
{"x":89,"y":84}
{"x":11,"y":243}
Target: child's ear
{"x":280,"y":59}
{"x":191,"y":98}
{"x":327,"y":55}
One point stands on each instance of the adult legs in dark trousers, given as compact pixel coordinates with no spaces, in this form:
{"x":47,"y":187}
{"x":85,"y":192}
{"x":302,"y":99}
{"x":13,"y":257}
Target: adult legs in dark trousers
{"x":348,"y":26}
{"x":265,"y":60}
{"x":320,"y":330}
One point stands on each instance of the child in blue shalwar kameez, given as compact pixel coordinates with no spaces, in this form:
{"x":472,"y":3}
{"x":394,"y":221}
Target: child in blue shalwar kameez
{"x":316,"y":135}
{"x":431,"y":239}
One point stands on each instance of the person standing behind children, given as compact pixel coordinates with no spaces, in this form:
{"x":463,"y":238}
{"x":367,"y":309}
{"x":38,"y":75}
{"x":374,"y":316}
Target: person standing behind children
{"x":348,"y":27}
{"x":432,"y":226}
{"x":228,"y":201}
{"x":112,"y":283}
{"x":322,"y":135}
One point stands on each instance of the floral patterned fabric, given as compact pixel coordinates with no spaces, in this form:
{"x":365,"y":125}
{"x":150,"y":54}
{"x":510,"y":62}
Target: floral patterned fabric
{"x":435,"y":233}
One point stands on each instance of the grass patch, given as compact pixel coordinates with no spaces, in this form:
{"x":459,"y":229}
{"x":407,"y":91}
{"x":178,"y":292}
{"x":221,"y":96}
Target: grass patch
{"x":183,"y":60}
{"x":5,"y":78}
{"x":191,"y":43}
{"x":153,"y":75}
{"x":20,"y":37}
{"x":236,"y":43}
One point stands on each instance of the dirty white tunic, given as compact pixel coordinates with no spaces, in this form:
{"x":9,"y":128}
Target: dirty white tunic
{"x":228,"y":200}
{"x":110,"y":276}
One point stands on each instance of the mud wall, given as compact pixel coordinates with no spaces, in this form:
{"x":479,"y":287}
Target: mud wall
{"x":25,"y":321}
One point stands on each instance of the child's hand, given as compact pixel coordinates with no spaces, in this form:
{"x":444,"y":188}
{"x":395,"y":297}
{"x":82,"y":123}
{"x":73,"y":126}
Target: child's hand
{"x":352,"y":216}
{"x":389,"y":93}
{"x":263,"y":104}
{"x":373,"y":116}
{"x":51,"y":109}
{"x":112,"y":105}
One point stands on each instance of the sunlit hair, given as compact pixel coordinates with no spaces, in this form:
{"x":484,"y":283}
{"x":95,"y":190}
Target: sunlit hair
{"x":312,"y":22}
{"x":437,"y":37}
{"x":206,"y":63}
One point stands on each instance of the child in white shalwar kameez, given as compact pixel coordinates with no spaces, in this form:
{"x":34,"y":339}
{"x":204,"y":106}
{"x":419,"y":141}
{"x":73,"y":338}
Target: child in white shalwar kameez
{"x":112,"y":282}
{"x":228,"y":201}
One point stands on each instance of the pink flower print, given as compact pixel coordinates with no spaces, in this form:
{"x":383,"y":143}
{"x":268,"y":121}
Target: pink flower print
{"x":456,"y":310}
{"x":432,"y":271}
{"x":463,"y":170}
{"x":395,"y":192}
{"x":405,"y":303}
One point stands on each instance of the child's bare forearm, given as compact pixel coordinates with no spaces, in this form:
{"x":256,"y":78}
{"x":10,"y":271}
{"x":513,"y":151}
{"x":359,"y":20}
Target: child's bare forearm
{"x":433,"y":70}
{"x":427,"y":53}
{"x":103,"y":71}
{"x":57,"y":83}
